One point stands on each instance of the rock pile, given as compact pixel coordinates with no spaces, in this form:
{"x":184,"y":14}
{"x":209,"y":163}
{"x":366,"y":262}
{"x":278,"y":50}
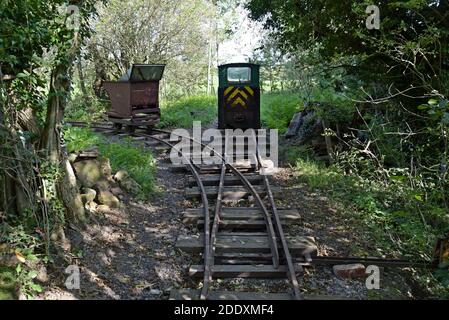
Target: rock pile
{"x":100,"y":189}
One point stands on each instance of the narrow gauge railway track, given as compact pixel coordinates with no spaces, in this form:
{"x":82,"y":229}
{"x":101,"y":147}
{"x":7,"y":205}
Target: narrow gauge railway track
{"x":249,"y":254}
{"x":210,"y":233}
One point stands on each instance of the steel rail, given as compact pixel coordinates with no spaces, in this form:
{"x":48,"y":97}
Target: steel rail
{"x":213,"y":237}
{"x":277,"y":222}
{"x":207,"y":239}
{"x":94,"y":125}
{"x":381,"y":262}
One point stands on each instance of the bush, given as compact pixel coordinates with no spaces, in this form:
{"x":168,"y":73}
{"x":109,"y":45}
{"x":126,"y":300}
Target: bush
{"x":77,"y":110}
{"x":181,"y":113}
{"x":277,"y":110}
{"x":401,"y":215}
{"x":23,"y":241}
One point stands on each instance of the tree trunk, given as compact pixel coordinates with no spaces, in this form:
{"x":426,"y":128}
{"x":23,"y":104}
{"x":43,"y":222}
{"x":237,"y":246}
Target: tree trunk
{"x":51,"y":136}
{"x":79,"y":67}
{"x":209,"y":68}
{"x":27,"y":121}
{"x":328,"y":142}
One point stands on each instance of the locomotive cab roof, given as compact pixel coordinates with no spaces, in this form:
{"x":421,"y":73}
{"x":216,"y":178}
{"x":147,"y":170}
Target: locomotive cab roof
{"x":239,"y":64}
{"x":143,"y":72}
{"x":238,"y":74}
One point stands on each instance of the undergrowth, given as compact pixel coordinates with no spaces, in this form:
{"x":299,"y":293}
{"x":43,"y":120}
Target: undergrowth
{"x":277,"y":109}
{"x":181,"y":113}
{"x":404,"y":220}
{"x":20,"y":243}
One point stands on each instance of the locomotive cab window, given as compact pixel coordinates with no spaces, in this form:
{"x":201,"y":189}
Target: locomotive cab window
{"x":239,"y":74}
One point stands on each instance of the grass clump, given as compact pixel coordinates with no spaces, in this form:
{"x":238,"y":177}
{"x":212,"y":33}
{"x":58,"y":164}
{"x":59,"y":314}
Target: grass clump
{"x":181,"y":113}
{"x":138,"y":162}
{"x":277,"y":109}
{"x":123,"y":155}
{"x":402,"y":219}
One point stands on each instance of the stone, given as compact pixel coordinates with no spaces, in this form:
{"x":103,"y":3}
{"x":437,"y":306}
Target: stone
{"x":103,"y":209}
{"x":88,"y":172}
{"x":77,"y":208}
{"x":72,"y":157}
{"x":121,"y":175}
{"x":91,"y":207}
{"x":155,"y":292}
{"x":349,"y":271}
{"x":105,"y":167}
{"x":88,"y":195}
{"x":117,"y":191}
{"x":107,"y":198}
{"x":42,"y":274}
{"x":102,"y":184}
{"x":130,"y":185}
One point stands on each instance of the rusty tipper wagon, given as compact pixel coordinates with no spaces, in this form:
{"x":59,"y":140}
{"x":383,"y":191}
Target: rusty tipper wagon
{"x":135,"y":97}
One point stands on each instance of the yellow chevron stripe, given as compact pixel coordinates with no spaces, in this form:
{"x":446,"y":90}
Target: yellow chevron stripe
{"x":238,"y":101}
{"x":236,"y":91}
{"x":250,"y":91}
{"x":228,"y":89}
{"x":243,"y":93}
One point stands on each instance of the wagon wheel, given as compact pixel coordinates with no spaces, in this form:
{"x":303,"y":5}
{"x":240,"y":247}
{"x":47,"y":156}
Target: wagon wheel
{"x":117,"y":126}
{"x":130,"y":129}
{"x":149,"y":129}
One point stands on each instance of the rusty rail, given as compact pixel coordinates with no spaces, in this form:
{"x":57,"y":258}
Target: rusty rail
{"x":277,"y":222}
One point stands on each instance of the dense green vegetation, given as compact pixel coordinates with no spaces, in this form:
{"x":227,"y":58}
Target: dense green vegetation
{"x":277,"y":109}
{"x":7,"y":283}
{"x":384,"y":97}
{"x":181,"y":113}
{"x":400,"y":221}
{"x":123,"y":155}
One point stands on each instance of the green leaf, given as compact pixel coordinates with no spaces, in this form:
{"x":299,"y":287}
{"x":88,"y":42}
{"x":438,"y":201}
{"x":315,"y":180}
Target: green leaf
{"x":423,"y":107}
{"x":36,"y":287}
{"x":443,"y":104}
{"x":398,"y":178}
{"x":433,"y":102}
{"x":445,"y":118}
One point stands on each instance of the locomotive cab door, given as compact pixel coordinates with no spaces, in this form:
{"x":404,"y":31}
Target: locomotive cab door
{"x":239,"y":96}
